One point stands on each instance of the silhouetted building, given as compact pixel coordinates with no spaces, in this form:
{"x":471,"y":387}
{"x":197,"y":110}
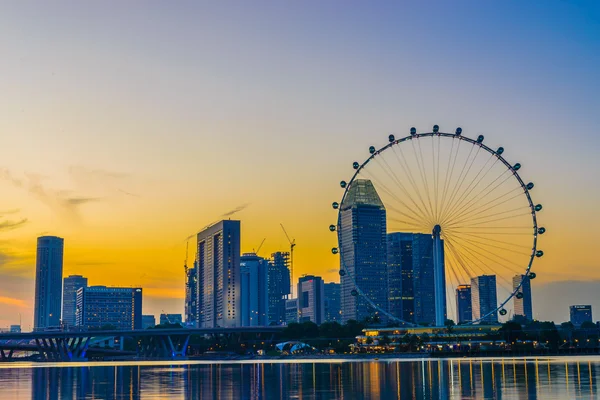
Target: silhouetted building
{"x":484,"y":299}
{"x":254,"y":304}
{"x":291,"y":311}
{"x":333,"y":305}
{"x":219,"y":276}
{"x":311,"y":299}
{"x":580,"y":314}
{"x":464,"y":312}
{"x":411,"y":277}
{"x":71,"y":285}
{"x":191,"y":295}
{"x":15,"y":329}
{"x":100,"y":306}
{"x":522,"y":299}
{"x":148,"y":321}
{"x":363,"y":252}
{"x":48,"y":282}
{"x":278,"y":286}
{"x":171,"y":319}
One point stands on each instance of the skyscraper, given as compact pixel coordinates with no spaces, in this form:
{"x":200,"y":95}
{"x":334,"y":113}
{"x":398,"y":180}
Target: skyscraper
{"x":580,"y":314}
{"x":333,"y":307}
{"x":411,"y":277}
{"x":363,"y":252}
{"x":254,"y":290}
{"x":71,"y":284}
{"x":278,"y":286}
{"x":522,"y":305}
{"x":219,"y":276}
{"x":483,"y":298}
{"x":99,"y":306}
{"x":48,"y":282}
{"x":148,"y":321}
{"x":311,"y":299}
{"x":191,"y":294}
{"x":464,"y":312}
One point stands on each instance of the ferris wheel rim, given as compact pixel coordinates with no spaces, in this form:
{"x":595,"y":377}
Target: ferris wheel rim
{"x":475,"y":142}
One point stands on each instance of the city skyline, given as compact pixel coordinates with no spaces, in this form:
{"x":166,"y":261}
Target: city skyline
{"x":108,"y":156}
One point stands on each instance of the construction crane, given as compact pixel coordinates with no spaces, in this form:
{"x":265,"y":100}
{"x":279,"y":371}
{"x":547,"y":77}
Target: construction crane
{"x":292,"y":245}
{"x":259,"y":246}
{"x":185,"y":263}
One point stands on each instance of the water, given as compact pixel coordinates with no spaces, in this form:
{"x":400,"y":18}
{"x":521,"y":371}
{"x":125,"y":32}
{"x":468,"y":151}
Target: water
{"x":553,"y":378}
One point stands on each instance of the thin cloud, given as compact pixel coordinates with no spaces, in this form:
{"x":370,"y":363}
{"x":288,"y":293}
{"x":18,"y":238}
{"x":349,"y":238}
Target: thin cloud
{"x":10,"y":225}
{"x":227,"y":214}
{"x":10,"y":301}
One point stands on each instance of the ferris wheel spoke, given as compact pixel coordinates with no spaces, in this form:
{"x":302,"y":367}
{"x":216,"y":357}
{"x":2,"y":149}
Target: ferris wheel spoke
{"x":492,"y":220}
{"x":423,"y":172}
{"x":489,"y":239}
{"x":478,"y":210}
{"x":487,"y":216}
{"x":392,"y":175}
{"x":448,"y":176}
{"x":472,"y":185}
{"x":484,"y":244}
{"x":465,"y":266}
{"x":408,"y":171}
{"x":437,"y":176}
{"x":461,"y":177}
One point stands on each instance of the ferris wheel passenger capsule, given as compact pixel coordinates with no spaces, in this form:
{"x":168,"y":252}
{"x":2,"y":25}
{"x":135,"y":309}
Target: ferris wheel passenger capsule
{"x":413,"y":131}
{"x":332,"y":228}
{"x":538,"y":207}
{"x":503,"y":311}
{"x":372,"y":149}
{"x":542,"y":230}
{"x":500,"y":150}
{"x":532,"y":275}
{"x":343,"y":184}
{"x":334,"y":250}
{"x":436,"y":129}
{"x":355,"y":165}
{"x":517,"y":167}
{"x":391,"y":138}
{"x":539,"y":253}
{"x":458,"y":131}
{"x":480,"y":139}
{"x":335,"y":205}
{"x":530,"y":186}
{"x":519,"y":295}
{"x":354,"y":292}
{"x":342,"y":272}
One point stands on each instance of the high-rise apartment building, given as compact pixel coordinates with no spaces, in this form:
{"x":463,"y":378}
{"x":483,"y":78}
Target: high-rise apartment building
{"x":48,"y":282}
{"x":291,"y":311}
{"x":254,"y":294}
{"x":484,"y":299}
{"x":219,"y":277}
{"x":191,"y":295}
{"x":464,"y":312}
{"x":411,"y":277}
{"x":311,"y":299}
{"x":333,"y":305}
{"x":580,"y":314}
{"x":101,"y":306}
{"x":363,"y":252}
{"x":278,"y":286}
{"x":522,"y":299}
{"x":71,"y":285}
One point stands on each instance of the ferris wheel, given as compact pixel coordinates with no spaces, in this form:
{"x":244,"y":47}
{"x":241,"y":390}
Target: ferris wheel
{"x":432,"y":214}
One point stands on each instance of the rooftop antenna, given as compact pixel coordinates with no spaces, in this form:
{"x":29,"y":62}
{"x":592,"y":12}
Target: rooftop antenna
{"x":292,"y":245}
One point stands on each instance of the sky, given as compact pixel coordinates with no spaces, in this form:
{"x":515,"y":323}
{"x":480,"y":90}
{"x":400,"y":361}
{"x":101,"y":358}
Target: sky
{"x":128,"y":126}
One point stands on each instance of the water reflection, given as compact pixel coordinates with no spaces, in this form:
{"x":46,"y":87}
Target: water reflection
{"x":464,"y":378}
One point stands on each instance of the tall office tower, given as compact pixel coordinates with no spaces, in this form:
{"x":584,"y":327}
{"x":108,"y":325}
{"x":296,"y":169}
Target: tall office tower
{"x":291,"y":311}
{"x":219,"y":276}
{"x":71,"y":285}
{"x":464,"y":312}
{"x":191,"y":294}
{"x":254,"y":304}
{"x":363,"y":252}
{"x":279,"y":286}
{"x":48,"y":282}
{"x":483,"y":298}
{"x":411,"y":277}
{"x":580,"y":314}
{"x":99,"y":306}
{"x":311,"y":299}
{"x":333,"y":305}
{"x":523,"y":305}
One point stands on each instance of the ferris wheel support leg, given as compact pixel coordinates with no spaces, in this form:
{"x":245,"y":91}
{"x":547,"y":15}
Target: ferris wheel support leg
{"x":438,"y":277}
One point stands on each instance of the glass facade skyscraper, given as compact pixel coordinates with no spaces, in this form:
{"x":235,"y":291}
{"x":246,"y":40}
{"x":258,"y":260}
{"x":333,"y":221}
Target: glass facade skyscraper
{"x":278,"y":286}
{"x":484,"y":299}
{"x":411,"y":277}
{"x":311,"y":299}
{"x":363,"y":252}
{"x":191,"y":295}
{"x":464,"y":311}
{"x":219,"y":277}
{"x":99,"y":306}
{"x":48,"y":282}
{"x":254,"y":290}
{"x":580,"y":314}
{"x":333,"y":308}
{"x":71,"y":285}
{"x":523,"y":306}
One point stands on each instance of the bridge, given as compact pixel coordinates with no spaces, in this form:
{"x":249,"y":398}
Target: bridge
{"x":150,"y":343}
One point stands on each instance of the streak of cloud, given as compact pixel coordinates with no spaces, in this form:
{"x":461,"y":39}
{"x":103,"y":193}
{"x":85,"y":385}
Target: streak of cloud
{"x":10,"y":225}
{"x":227,"y":214}
{"x":10,"y":301}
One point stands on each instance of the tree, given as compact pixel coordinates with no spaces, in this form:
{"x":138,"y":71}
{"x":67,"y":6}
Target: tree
{"x":449,"y":324}
{"x":512,"y":331}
